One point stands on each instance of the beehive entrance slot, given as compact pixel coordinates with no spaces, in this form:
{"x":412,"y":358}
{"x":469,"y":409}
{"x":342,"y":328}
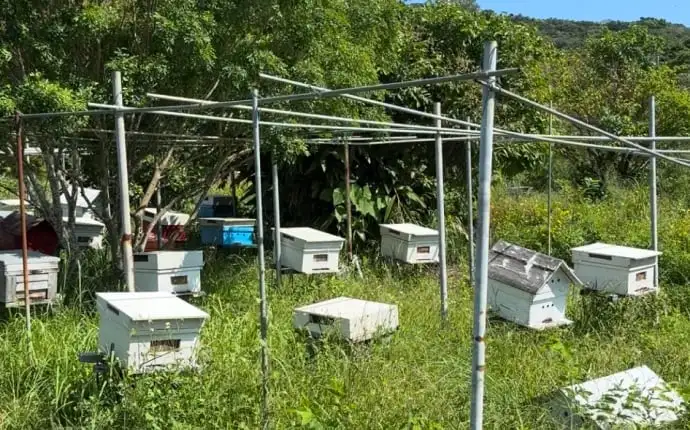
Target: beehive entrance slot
{"x":321,"y":320}
{"x":641,"y":276}
{"x":601,"y":257}
{"x":141,"y":258}
{"x":179,"y":280}
{"x":320,"y":258}
{"x":423,"y":249}
{"x":33,"y":295}
{"x":83,"y":239}
{"x":161,"y":346}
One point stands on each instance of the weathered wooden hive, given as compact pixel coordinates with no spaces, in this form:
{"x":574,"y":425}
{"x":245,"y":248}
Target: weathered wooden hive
{"x":409,"y":243}
{"x":43,"y":275}
{"x":351,"y":319}
{"x":148,"y":331}
{"x":527,"y":287}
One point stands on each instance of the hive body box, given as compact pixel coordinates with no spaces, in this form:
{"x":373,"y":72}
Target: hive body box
{"x":635,"y":398}
{"x":43,"y":274}
{"x":527,"y":287}
{"x":616,"y":269}
{"x":82,"y":208}
{"x":172,"y":223}
{"x":168,"y":271}
{"x":353,"y":320}
{"x":149,"y":331}
{"x":409,"y":243}
{"x":88,"y":232}
{"x":307,"y":250}
{"x":227,"y":231}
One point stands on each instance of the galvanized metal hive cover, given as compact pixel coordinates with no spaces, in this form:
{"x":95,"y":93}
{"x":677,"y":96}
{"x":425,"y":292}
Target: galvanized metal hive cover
{"x":344,"y":307}
{"x":523,"y":268}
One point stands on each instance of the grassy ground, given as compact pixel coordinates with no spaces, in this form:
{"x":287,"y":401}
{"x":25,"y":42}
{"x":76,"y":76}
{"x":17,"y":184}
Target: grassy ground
{"x":420,"y":379}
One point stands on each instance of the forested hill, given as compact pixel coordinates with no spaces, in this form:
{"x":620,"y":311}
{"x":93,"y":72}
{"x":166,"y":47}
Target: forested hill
{"x":568,"y":34}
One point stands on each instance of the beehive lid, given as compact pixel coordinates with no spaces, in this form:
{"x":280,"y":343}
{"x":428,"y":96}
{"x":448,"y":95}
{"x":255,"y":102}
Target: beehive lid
{"x":12,"y":203}
{"x":649,"y":395}
{"x":227,"y":221}
{"x":12,"y":262}
{"x":88,"y":222}
{"x":344,"y":307}
{"x":169,"y":218}
{"x":617,"y":251}
{"x":152,"y":306}
{"x":91,"y":194}
{"x":411,"y":229}
{"x":309,"y":234}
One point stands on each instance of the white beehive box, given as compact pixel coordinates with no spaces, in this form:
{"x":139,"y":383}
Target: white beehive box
{"x":88,"y":232}
{"x":307,"y":250}
{"x":168,"y":271}
{"x":43,"y":274}
{"x":409,"y":243}
{"x":148,"y":331}
{"x":527,"y":287}
{"x":635,"y":398}
{"x":351,"y":319}
{"x":616,"y":269}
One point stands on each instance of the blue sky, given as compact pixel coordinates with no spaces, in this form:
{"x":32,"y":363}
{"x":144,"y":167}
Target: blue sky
{"x":677,"y":11}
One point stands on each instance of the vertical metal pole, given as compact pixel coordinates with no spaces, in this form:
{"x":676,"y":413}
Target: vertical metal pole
{"x":159,"y":227}
{"x":233,"y":187}
{"x":548,"y":209}
{"x":481,"y":272}
{"x":123,"y":177}
{"x":276,"y":214}
{"x":652,"y":185}
{"x":348,"y":203}
{"x":262,"y":263}
{"x":22,"y":214}
{"x":441,"y":211}
{"x":470,"y":207}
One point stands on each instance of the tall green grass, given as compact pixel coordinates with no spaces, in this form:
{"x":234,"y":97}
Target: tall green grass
{"x":419,"y":379}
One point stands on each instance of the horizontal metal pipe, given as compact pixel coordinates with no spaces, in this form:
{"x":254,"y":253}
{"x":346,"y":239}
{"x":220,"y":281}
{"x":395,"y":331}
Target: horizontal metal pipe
{"x":299,"y":114}
{"x":576,"y":121}
{"x":292,"y":125}
{"x":287,"y":98}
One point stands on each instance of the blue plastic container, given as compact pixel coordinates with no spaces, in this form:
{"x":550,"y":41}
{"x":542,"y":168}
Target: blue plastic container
{"x":228,"y":235}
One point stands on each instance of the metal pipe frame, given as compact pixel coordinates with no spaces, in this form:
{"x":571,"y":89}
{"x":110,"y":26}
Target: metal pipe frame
{"x":441,"y":213}
{"x":301,"y":114}
{"x":580,"y":123}
{"x":123,"y":178}
{"x":653,"y":212}
{"x":482,"y":265}
{"x":290,"y":125}
{"x":470,"y":210}
{"x":263,"y":300}
{"x":22,"y":223}
{"x":289,"y":97}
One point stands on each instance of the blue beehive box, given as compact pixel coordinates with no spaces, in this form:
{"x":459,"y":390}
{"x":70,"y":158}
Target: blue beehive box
{"x":227,"y":232}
